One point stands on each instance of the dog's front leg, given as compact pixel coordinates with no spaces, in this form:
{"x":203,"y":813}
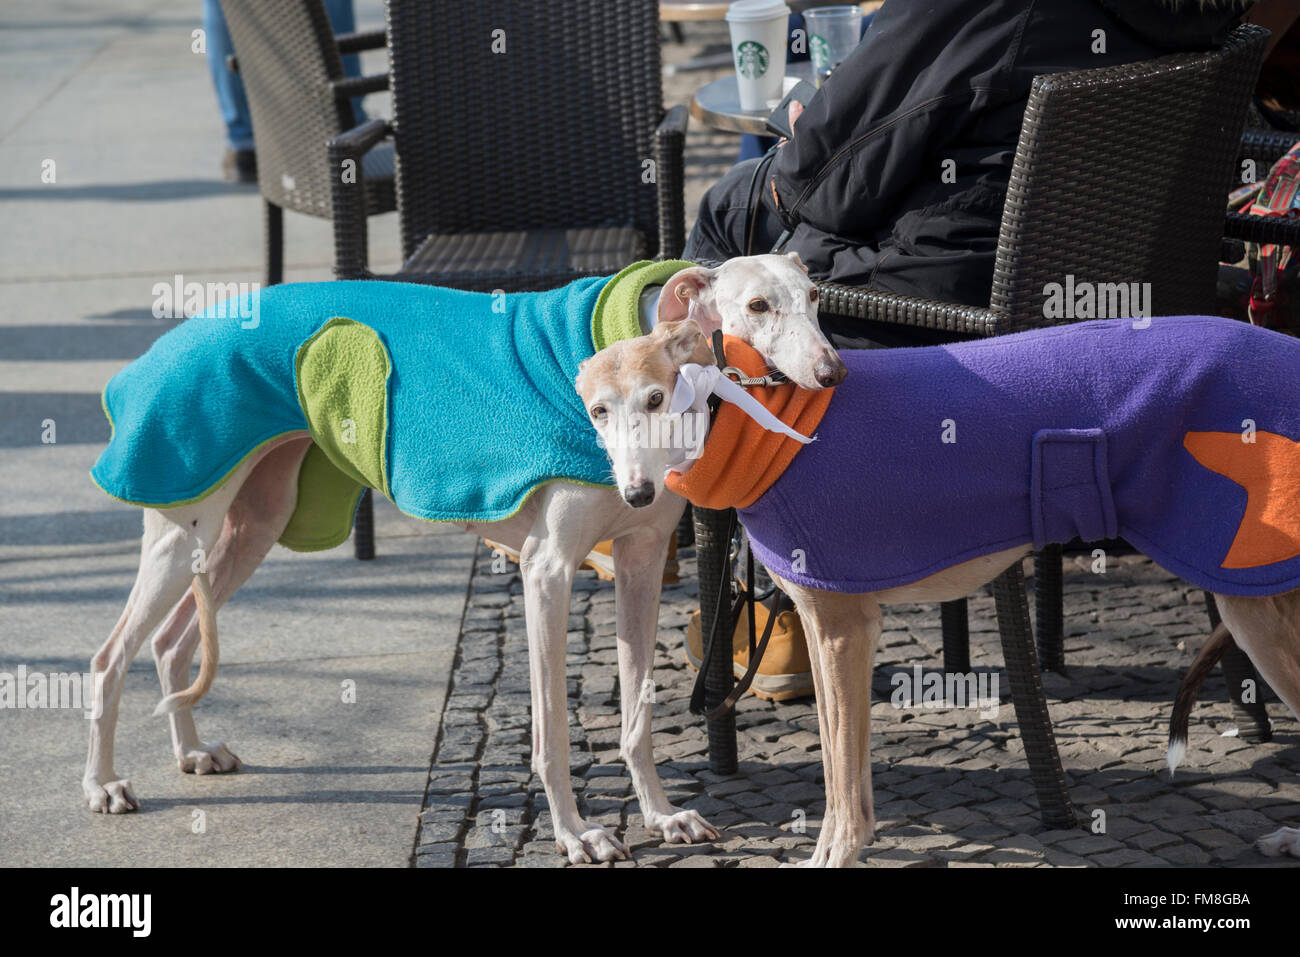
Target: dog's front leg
{"x":547,"y":568}
{"x":843,"y":631}
{"x":638,"y":577}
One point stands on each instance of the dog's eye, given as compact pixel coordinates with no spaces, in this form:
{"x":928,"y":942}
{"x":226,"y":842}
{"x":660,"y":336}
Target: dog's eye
{"x":758,"y":305}
{"x":812,"y":294}
{"x":656,"y":399}
{"x":597,"y":412}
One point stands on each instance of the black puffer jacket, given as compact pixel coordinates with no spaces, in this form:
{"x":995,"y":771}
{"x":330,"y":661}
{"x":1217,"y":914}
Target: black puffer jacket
{"x":861,"y":183}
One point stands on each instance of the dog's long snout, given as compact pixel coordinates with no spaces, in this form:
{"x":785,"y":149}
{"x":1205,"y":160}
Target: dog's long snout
{"x":639,"y":496}
{"x":829,"y":370}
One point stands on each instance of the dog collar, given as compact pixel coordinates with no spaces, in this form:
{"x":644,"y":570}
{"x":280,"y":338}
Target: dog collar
{"x":746,"y":450}
{"x":695,"y":385}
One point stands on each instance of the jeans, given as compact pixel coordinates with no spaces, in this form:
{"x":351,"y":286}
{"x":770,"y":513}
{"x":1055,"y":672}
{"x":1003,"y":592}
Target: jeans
{"x":230,"y":88}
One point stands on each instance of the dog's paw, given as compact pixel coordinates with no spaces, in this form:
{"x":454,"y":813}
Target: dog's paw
{"x":213,"y":758}
{"x":111,"y":797}
{"x":593,"y":844}
{"x":1285,"y":840}
{"x":682,"y":827}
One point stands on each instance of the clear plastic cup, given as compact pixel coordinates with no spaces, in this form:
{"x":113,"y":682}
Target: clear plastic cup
{"x":759,"y":31}
{"x":833,"y":32}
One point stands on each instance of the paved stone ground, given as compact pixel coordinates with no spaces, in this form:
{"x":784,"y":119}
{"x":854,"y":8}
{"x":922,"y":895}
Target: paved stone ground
{"x":951,"y":787}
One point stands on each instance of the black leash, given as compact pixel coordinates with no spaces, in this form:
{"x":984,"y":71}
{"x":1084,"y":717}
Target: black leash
{"x":752,"y":201}
{"x":751,"y":205}
{"x":721,"y":603}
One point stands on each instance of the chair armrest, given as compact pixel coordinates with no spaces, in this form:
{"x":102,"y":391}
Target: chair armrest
{"x":1265,"y":147}
{"x":356,"y":42}
{"x":1283,"y":230}
{"x":348,"y":195}
{"x":876,"y":306}
{"x":670,"y":177}
{"x":350,"y":86}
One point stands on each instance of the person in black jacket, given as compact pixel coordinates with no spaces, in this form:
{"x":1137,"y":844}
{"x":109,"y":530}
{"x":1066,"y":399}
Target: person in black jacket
{"x":897,"y":171}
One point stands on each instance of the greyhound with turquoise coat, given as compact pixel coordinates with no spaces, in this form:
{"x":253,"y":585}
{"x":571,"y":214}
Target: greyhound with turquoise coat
{"x":234,"y":433}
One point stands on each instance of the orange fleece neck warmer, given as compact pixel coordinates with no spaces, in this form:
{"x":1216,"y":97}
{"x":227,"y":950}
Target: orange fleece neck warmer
{"x":741,"y":459}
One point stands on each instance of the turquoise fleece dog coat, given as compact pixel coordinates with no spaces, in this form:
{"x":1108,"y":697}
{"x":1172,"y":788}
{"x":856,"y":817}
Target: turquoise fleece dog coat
{"x":456,"y":405}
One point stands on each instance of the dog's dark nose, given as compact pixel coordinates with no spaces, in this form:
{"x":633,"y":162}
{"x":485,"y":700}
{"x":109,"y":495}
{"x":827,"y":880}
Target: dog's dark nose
{"x":639,"y":496}
{"x":829,"y":370}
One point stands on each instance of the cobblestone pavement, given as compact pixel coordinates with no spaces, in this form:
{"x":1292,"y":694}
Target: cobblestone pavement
{"x":951,"y":787}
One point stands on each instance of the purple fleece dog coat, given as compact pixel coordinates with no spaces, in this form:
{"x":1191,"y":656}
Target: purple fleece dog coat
{"x":1179,"y":437}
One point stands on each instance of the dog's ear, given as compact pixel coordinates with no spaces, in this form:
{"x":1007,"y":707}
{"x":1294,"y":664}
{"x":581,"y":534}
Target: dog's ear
{"x":794,"y":258}
{"x":685,"y":342}
{"x":690,"y":286}
{"x":582,"y":381}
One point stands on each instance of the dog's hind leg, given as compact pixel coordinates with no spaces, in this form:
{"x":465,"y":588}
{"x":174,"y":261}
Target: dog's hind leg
{"x":638,"y":579}
{"x":1268,"y":630}
{"x":167,"y":557}
{"x":843,"y":631}
{"x":255,"y":520}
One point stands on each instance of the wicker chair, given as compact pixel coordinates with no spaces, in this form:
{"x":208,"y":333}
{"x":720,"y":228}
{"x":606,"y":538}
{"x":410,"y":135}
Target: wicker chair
{"x":532,"y":147}
{"x":1099,"y":131}
{"x":292,"y":68}
{"x":1088,"y":196}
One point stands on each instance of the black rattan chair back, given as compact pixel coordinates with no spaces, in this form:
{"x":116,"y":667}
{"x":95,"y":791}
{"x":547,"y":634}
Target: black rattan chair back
{"x":524,"y":116}
{"x":287,"y":59}
{"x":1121,"y":176}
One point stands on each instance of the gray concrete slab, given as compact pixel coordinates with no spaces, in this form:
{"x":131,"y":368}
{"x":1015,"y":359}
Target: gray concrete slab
{"x":324,"y":783}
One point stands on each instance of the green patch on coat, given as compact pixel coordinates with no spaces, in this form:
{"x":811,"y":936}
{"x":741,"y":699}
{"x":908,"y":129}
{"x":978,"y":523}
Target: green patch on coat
{"x":327,"y":502}
{"x":342,"y":374}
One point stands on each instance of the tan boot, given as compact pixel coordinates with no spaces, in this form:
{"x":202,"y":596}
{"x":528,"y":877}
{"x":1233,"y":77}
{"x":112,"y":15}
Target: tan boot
{"x":785,"y":671}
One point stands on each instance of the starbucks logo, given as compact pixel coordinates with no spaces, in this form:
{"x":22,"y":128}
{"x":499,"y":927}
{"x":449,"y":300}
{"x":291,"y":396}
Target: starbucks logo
{"x":751,"y":59}
{"x":819,"y":51}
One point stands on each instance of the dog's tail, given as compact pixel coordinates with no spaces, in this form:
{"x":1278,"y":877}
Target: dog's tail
{"x":210,"y":652}
{"x":1213,"y":649}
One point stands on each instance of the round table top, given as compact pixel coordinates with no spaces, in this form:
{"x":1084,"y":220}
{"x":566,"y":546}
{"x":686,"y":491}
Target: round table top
{"x":717,"y":104}
{"x":691,"y":10}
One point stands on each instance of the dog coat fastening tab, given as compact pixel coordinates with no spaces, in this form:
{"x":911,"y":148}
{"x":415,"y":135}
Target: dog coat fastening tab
{"x":1070,"y":487}
{"x":1180,"y":437}
{"x":457,"y":405}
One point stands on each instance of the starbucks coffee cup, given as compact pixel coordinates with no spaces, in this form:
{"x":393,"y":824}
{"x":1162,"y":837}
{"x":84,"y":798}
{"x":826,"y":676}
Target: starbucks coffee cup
{"x":758,"y":39}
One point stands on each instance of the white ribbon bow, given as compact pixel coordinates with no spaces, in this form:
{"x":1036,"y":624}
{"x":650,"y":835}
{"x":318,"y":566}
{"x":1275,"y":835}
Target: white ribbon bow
{"x":696,"y":383}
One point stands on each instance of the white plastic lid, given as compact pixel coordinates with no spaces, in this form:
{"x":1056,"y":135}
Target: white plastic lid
{"x":743,"y":11}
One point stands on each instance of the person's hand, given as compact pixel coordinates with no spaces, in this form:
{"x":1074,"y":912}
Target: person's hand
{"x":794,"y":110}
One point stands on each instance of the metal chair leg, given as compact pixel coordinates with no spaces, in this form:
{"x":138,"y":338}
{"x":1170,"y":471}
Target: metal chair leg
{"x":955,"y":620}
{"x":363,"y":530}
{"x":273,"y":239}
{"x":1049,"y":606}
{"x":1031,"y":705}
{"x":711,"y":550}
{"x":1252,"y":716}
